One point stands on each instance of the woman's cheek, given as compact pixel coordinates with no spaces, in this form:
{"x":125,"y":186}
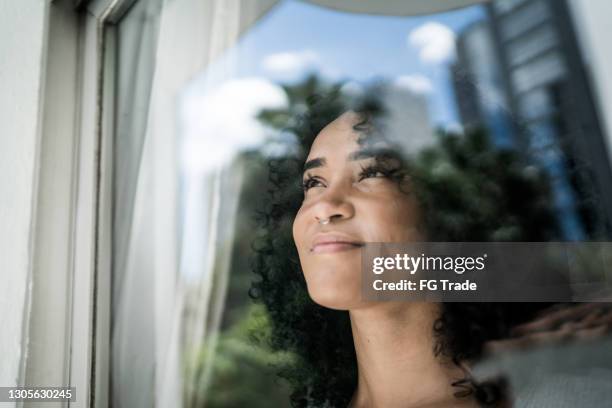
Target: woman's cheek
{"x":394,"y":221}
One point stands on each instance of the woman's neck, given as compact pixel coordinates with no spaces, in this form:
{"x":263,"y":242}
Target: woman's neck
{"x":397,"y":367}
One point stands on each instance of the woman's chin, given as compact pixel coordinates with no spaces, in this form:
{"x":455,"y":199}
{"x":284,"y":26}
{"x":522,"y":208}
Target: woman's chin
{"x":334,"y":285}
{"x":336,"y":298}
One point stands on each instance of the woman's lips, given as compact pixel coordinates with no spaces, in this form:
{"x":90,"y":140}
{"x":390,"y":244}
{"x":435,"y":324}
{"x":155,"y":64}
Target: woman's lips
{"x":327,"y":243}
{"x":330,"y":247}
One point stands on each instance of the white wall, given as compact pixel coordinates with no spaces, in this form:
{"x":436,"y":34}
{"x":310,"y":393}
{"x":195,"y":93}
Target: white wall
{"x":22,"y":44}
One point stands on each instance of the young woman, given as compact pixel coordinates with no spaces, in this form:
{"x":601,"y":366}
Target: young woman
{"x":357,"y":187}
{"x":349,"y":200}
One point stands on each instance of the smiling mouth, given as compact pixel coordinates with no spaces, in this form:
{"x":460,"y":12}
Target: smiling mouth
{"x":332,"y":247}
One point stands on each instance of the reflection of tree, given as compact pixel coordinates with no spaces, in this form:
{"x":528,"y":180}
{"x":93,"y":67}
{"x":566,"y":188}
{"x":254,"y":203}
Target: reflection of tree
{"x":255,"y":188}
{"x":298,"y":96}
{"x":487,"y":194}
{"x":241,"y":373}
{"x":244,"y":367}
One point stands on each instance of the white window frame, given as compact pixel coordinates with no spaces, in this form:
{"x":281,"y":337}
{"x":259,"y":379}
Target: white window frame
{"x":67,"y":313}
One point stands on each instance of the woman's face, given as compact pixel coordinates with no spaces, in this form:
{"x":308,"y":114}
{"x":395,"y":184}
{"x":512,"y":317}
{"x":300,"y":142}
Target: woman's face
{"x":344,"y":185}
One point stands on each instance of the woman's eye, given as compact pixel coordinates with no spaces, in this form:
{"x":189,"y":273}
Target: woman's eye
{"x":310,"y":183}
{"x":372,"y":173}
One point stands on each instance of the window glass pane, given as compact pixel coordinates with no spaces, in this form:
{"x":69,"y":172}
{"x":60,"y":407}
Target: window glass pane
{"x":482,"y":112}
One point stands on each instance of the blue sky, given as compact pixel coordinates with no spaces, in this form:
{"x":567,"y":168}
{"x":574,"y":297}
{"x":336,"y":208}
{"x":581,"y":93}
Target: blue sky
{"x":356,"y":44}
{"x":348,"y":46}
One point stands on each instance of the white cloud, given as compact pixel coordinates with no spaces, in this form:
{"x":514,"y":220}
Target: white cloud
{"x":414,"y":83}
{"x":435,"y":41}
{"x":221,"y":122}
{"x":352,"y":89}
{"x":290,"y":65}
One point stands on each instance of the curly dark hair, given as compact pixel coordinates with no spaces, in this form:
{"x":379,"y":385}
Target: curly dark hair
{"x":490,"y":195}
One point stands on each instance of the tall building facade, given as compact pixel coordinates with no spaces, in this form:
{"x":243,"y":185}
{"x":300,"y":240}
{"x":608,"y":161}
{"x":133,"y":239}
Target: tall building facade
{"x":534,"y":54}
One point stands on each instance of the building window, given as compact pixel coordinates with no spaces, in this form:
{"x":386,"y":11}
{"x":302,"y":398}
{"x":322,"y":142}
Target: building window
{"x":546,"y":69}
{"x":531,"y":45}
{"x":524,"y":19}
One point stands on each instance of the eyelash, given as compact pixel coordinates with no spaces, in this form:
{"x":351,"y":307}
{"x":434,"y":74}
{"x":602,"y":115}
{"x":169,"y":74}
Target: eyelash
{"x":366,"y":172}
{"x":372,"y":170}
{"x":307,"y":184}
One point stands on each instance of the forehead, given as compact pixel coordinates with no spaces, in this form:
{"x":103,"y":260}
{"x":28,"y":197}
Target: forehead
{"x":338,"y":137}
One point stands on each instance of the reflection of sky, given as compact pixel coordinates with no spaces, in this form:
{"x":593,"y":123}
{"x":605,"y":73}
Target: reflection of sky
{"x":218,"y":108}
{"x":345,"y":45}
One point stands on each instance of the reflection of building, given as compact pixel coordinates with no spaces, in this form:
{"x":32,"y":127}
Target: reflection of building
{"x":477,"y":79}
{"x":544,"y":86}
{"x":407,"y":118}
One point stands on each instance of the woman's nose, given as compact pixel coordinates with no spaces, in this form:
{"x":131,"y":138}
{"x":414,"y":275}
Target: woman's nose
{"x":333,"y":205}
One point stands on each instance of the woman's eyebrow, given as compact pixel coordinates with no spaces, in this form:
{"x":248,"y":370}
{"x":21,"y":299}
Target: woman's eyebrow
{"x":314,"y":163}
